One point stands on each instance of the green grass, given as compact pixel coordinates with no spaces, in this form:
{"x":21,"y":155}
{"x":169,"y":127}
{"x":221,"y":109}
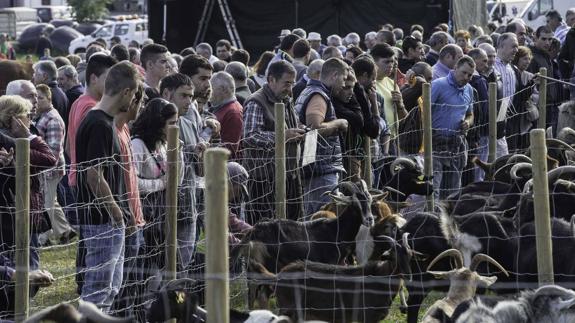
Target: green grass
{"x":60,"y":261}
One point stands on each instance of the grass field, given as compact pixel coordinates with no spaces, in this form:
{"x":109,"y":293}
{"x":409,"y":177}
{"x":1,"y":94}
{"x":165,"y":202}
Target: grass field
{"x":60,"y":261}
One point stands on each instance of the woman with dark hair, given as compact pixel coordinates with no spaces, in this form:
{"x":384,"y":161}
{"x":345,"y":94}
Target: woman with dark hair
{"x":149,"y":149}
{"x":259,"y":69}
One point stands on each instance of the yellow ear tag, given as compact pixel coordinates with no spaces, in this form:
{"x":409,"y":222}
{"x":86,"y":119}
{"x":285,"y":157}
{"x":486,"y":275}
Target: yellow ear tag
{"x":420,"y":177}
{"x":180,"y":297}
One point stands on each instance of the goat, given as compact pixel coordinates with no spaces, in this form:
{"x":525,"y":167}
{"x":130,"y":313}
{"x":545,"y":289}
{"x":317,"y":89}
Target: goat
{"x":547,"y":304}
{"x":66,"y":313}
{"x":311,"y":290}
{"x":277,"y":243}
{"x":462,"y":286}
{"x":404,"y":178}
{"x":176,"y":301}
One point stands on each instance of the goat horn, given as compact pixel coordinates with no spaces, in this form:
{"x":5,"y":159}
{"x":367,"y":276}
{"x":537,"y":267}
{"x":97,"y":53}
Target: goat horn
{"x":401,"y":161}
{"x":481,"y":257}
{"x":404,"y":241}
{"x":554,"y":290}
{"x":558,"y":143}
{"x":501,"y":172}
{"x":518,"y":158}
{"x":573,"y":225}
{"x":393,"y":190}
{"x":560,"y":173}
{"x":454,"y":253}
{"x":176,"y":283}
{"x":565,"y":133}
{"x":341,"y":199}
{"x":516,"y":168}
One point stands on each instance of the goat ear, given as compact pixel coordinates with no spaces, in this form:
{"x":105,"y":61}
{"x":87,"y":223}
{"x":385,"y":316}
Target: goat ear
{"x":340,"y":199}
{"x":379,"y":197}
{"x":440,"y":274}
{"x":485,"y":281}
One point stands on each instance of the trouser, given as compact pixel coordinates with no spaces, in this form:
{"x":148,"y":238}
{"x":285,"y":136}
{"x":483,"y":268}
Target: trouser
{"x":314,"y":187}
{"x":125,"y":304}
{"x":104,"y":258}
{"x":449,"y":159}
{"x":58,"y":220}
{"x":483,"y":153}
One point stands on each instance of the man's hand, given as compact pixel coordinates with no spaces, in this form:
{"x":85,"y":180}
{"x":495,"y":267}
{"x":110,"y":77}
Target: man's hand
{"x":294,"y":134}
{"x":396,"y":97}
{"x":215,"y":125}
{"x":464,"y":125}
{"x":18,"y":129}
{"x":201,"y":147}
{"x":40,"y":278}
{"x":117,"y":217}
{"x":6,"y":157}
{"x":341,"y":125}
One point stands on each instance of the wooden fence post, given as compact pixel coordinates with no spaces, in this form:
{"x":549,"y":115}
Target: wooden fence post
{"x":171,"y":225}
{"x":280,"y":161}
{"x":427,"y":141}
{"x":542,"y":105}
{"x":367,"y":167}
{"x":492,"y":122}
{"x":541,"y":204}
{"x":22,"y":289}
{"x":217,"y":288}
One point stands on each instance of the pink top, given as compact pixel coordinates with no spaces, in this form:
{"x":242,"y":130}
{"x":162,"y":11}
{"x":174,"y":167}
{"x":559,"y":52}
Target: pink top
{"x":78,"y":112}
{"x":130,"y":175}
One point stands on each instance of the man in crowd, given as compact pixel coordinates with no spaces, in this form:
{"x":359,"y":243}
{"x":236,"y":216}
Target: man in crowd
{"x":205,"y":50}
{"x":436,"y":42}
{"x":227,"y":110}
{"x":452,"y":116}
{"x":518,"y":28}
{"x":560,"y":33}
{"x":506,"y":81}
{"x":154,"y":59}
{"x":369,"y":40}
{"x":102,"y":188}
{"x":200,"y":71}
{"x":258,"y":144}
{"x":301,"y":55}
{"x":68,"y":81}
{"x":240,"y":74}
{"x":315,"y":109}
{"x":313,"y":72}
{"x":224,"y":50}
{"x":412,"y":53}
{"x":45,"y":72}
{"x":448,"y":56}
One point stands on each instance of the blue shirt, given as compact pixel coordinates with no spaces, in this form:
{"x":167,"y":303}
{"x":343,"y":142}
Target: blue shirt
{"x":449,"y":105}
{"x":439,"y":70}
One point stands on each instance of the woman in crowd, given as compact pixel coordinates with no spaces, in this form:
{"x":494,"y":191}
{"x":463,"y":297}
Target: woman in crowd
{"x":463,"y":40}
{"x":526,"y":113}
{"x":259,"y":69}
{"x":149,"y":149}
{"x":15,"y":123}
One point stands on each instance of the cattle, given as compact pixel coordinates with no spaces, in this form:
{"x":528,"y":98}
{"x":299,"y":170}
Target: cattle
{"x":13,"y":70}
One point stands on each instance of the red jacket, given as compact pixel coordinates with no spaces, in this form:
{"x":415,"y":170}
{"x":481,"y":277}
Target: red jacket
{"x":230,"y":117}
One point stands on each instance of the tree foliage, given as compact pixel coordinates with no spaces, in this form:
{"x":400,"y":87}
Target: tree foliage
{"x":89,"y":10}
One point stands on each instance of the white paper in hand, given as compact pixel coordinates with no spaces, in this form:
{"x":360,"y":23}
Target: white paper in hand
{"x":309,"y":148}
{"x":503,"y":109}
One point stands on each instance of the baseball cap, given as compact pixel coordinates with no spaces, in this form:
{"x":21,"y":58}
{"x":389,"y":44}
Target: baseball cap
{"x":314,"y":36}
{"x":237,"y":174}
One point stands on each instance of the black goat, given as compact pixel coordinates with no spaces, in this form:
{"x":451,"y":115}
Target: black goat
{"x":176,"y":301}
{"x":332,"y":293}
{"x":277,"y":243}
{"x":403,"y":175}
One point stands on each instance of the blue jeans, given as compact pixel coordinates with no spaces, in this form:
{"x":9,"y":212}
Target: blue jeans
{"x":104,"y":258}
{"x":483,"y":154}
{"x":449,"y":159}
{"x":313,"y":189}
{"x":133,"y":275}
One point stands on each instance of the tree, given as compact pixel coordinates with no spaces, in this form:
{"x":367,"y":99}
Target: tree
{"x":89,"y":10}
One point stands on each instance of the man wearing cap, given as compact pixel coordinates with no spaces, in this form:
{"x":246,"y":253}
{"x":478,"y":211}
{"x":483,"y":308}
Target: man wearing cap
{"x":237,"y":193}
{"x":314,"y":40}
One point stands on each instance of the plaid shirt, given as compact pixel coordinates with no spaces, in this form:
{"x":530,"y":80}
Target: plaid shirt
{"x":254,"y":135}
{"x":51,"y":128}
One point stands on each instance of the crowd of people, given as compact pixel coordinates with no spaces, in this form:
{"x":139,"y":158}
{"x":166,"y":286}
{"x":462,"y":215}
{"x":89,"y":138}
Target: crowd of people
{"x":98,"y":125}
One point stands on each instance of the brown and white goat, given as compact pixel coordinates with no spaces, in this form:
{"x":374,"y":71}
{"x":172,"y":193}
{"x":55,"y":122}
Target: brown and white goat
{"x":463,"y":283}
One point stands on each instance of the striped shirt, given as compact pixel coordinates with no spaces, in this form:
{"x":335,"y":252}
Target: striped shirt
{"x":506,"y":77}
{"x":51,"y":128}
